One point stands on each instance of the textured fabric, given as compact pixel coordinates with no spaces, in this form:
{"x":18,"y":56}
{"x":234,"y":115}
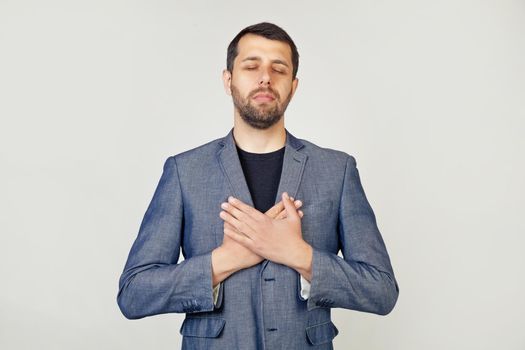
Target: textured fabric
{"x":305,"y":290}
{"x":262,"y":172}
{"x":259,"y":307}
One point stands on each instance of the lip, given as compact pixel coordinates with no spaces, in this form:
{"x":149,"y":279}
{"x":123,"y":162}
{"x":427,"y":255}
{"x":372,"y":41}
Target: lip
{"x":264,"y":97}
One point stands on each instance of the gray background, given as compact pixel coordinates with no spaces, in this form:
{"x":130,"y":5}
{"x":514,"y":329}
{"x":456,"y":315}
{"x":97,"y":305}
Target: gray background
{"x":427,"y":95}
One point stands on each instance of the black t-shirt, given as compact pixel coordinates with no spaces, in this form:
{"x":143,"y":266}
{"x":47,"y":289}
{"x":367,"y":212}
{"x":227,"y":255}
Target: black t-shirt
{"x":263,"y":174}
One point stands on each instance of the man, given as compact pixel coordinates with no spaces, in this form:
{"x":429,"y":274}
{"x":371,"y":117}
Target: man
{"x":258,"y":273}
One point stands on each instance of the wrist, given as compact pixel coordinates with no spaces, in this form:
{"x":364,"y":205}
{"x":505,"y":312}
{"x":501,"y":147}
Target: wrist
{"x":303,"y":261}
{"x":222,"y":264}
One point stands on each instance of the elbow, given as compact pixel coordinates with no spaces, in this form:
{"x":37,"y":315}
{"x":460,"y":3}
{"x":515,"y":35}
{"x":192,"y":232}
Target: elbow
{"x":388,"y":305}
{"x":126,"y":310}
{"x":125,"y":305}
{"x":390,"y":297}
{"x":128,"y":315}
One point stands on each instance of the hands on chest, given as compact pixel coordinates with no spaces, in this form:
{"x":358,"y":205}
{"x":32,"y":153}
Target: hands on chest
{"x":251,"y":236}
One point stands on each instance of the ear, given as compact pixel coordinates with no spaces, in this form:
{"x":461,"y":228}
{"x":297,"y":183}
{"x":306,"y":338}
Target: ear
{"x":295,"y":82}
{"x":226,"y":81}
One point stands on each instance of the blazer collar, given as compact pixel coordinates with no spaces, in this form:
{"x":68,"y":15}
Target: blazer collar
{"x":293,"y":166}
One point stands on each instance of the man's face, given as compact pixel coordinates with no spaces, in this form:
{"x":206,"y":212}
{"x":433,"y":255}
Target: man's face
{"x":261,"y":83}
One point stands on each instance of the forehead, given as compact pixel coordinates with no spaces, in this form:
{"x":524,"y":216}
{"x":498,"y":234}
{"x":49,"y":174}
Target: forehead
{"x":255,"y":45}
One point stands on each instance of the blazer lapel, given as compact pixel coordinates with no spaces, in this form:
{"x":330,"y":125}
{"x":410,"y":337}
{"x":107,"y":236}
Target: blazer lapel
{"x":293,"y":167}
{"x":232,"y":169}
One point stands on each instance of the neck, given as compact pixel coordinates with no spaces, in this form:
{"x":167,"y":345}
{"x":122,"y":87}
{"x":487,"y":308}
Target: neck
{"x":254,"y":140}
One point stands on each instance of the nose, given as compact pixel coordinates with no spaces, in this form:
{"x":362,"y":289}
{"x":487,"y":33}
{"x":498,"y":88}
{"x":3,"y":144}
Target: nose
{"x":264,"y":78}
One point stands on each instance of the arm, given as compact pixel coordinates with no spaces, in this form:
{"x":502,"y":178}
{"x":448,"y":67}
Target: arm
{"x":152,"y":282}
{"x":227,"y":259}
{"x":365,"y":274}
{"x":223,"y":264}
{"x":231,"y":257}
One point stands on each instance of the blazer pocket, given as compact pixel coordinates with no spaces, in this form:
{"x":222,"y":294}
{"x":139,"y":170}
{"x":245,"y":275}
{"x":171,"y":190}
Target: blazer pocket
{"x":321,"y":333}
{"x":318,"y":212}
{"x":202,"y":327}
{"x":316,"y":222}
{"x":322,"y":205}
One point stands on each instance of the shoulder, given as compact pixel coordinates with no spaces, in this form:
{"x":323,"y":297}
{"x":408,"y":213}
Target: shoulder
{"x":199,"y":154}
{"x":326,"y":154}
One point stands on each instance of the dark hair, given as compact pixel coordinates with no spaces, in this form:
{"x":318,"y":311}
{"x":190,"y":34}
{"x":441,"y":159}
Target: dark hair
{"x":269,"y":31}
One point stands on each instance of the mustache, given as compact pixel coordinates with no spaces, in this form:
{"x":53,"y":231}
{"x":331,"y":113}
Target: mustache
{"x":266,"y":91}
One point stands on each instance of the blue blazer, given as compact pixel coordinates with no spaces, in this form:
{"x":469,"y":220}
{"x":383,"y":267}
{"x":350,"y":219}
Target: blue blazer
{"x":259,"y":307}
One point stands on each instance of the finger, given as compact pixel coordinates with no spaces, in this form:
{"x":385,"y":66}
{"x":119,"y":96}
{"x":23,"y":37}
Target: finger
{"x":229,"y":226}
{"x":282,"y":214}
{"x":291,"y":212}
{"x":239,"y":215}
{"x":235,"y":232}
{"x":246,"y":209}
{"x":240,"y":238}
{"x":296,"y":202}
{"x":239,"y":226}
{"x":275,"y":210}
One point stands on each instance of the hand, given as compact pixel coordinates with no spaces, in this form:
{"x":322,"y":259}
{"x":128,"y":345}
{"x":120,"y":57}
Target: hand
{"x":276,"y":239}
{"x":278,"y":211}
{"x":245,"y":256}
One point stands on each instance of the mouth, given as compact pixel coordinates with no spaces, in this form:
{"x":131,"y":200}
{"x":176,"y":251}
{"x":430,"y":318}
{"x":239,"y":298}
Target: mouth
{"x":264,"y":97}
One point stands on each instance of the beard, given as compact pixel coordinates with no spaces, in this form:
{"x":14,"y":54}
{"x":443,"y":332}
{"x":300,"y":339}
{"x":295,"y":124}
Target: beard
{"x":263,"y":116}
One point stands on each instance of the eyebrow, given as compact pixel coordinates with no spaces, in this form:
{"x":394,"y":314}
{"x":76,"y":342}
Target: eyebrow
{"x":255,"y":58}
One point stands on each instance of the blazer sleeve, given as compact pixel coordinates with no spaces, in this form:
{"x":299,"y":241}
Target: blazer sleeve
{"x":152,"y":281}
{"x":364,"y":279}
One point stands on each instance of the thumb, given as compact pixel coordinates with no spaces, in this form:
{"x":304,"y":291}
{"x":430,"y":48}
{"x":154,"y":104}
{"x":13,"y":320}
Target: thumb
{"x":291,"y":211}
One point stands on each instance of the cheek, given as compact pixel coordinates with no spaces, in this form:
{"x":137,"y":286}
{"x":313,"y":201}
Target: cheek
{"x":244,"y":78}
{"x":244,"y":85}
{"x":285,"y":91}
